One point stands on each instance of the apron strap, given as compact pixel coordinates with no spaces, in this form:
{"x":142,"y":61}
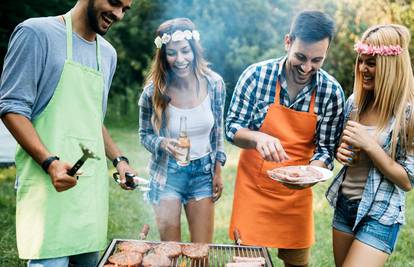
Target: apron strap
{"x":68,"y":22}
{"x":98,"y":54}
{"x":69,"y":41}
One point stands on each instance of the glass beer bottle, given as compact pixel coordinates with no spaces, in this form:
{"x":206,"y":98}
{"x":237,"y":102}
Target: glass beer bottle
{"x":183,"y":147}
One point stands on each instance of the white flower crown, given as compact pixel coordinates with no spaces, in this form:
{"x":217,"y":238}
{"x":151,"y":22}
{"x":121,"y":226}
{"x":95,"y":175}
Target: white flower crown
{"x":176,"y":36}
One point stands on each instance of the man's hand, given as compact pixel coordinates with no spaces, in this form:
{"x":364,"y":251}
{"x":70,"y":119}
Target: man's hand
{"x":270,"y":147}
{"x":123,"y":167}
{"x":58,"y":174}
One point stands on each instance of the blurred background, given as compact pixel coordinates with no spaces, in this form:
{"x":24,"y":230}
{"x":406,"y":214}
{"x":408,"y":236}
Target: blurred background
{"x":234,"y":35}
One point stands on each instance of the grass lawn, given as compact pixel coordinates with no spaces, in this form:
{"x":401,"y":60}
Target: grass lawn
{"x":128,"y":212}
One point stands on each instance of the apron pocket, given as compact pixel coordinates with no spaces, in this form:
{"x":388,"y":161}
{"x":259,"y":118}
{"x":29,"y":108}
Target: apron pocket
{"x":267,"y":184}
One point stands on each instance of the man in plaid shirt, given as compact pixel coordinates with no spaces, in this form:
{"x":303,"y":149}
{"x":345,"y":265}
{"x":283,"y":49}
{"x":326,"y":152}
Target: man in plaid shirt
{"x":284,"y":112}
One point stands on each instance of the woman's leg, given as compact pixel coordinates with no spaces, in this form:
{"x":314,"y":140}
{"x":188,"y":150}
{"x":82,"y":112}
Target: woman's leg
{"x":341,"y":244}
{"x":200,"y":216}
{"x":167,"y":215}
{"x":361,"y":254}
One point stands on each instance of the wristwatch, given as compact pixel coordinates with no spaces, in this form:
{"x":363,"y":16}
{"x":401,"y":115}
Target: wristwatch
{"x":46,"y":163}
{"x":119,"y":159}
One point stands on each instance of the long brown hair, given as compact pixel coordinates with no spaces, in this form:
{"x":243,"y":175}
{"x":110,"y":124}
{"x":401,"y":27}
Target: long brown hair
{"x":394,"y":84}
{"x":160,"y":74}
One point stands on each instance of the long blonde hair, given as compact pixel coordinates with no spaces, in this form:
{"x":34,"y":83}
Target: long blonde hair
{"x":160,"y":74}
{"x":394,"y":85}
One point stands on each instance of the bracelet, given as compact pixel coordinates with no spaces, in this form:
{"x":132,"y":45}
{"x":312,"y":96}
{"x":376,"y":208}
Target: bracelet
{"x":46,"y":163}
{"x":119,"y":159}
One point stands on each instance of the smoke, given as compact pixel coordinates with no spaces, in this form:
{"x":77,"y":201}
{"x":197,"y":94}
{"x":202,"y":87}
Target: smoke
{"x":235,"y":34}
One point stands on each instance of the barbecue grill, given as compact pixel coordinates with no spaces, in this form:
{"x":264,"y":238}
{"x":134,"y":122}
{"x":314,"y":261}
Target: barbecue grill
{"x":218,"y":254}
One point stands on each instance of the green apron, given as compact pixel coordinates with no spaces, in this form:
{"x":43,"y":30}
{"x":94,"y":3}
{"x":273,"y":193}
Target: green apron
{"x":51,"y":224}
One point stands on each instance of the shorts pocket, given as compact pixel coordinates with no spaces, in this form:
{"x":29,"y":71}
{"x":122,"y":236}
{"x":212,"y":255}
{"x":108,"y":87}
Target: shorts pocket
{"x":173,"y":167}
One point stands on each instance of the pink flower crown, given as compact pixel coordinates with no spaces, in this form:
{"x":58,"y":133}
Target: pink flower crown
{"x":383,"y":50}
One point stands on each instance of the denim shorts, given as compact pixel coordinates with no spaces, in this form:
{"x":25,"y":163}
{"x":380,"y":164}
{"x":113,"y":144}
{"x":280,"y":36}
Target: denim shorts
{"x":369,"y":231}
{"x":191,"y":182}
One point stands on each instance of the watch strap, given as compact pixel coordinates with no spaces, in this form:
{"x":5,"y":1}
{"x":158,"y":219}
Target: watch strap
{"x":46,"y":163}
{"x":119,"y":159}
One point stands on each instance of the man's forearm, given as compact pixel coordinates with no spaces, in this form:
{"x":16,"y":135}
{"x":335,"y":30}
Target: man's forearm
{"x":25,"y":134}
{"x":111,"y":150}
{"x":245,"y":138}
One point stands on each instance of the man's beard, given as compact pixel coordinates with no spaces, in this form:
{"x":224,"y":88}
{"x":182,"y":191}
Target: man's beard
{"x":93,"y":19}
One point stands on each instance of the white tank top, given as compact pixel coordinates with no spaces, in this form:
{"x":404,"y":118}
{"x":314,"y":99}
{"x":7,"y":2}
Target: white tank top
{"x":200,"y":122}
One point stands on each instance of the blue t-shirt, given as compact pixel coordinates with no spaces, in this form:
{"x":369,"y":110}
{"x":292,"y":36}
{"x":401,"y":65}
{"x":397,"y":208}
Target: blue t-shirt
{"x":34,"y":63}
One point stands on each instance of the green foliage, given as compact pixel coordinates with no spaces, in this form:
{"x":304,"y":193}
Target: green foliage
{"x":15,"y":11}
{"x":234,"y":34}
{"x":133,"y":39}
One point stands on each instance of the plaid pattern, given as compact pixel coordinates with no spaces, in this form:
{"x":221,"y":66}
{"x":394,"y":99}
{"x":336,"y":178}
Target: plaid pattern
{"x":381,"y":200}
{"x":152,"y":141}
{"x":255,"y":92}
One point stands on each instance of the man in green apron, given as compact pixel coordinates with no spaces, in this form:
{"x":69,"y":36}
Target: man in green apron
{"x":53,"y":95}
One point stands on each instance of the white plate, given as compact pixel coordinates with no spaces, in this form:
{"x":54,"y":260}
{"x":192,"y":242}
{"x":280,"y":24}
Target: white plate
{"x":325,"y":173}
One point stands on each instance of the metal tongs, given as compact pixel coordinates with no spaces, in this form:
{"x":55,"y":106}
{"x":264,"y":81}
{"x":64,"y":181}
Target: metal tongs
{"x":87,"y":154}
{"x":133,"y":181}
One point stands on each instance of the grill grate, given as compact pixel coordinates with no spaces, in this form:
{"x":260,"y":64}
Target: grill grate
{"x":218,"y":255}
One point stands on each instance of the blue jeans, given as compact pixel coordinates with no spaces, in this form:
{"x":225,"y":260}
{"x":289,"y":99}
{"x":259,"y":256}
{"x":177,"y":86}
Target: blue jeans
{"x":191,"y":182}
{"x":369,"y":231}
{"x":81,"y":260}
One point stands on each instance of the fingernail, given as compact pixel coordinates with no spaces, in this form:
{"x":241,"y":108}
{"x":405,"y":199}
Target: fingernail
{"x":352,"y":154}
{"x":350,"y":159}
{"x":350,"y":147}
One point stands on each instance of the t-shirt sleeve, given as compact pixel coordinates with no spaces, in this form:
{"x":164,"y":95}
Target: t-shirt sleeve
{"x":23,"y":67}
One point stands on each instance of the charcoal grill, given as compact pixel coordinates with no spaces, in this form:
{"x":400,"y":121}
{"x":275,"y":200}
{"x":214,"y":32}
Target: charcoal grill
{"x":218,"y":255}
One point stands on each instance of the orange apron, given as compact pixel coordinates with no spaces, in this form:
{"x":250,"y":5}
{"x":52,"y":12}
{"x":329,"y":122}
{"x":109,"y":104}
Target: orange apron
{"x":264,"y":211}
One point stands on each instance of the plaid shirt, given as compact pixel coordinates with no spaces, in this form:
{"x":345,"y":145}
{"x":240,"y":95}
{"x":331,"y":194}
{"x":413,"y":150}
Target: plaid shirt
{"x":255,"y":92}
{"x":151,"y":141}
{"x":381,"y":200}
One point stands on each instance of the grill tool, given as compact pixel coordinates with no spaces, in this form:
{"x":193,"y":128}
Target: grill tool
{"x":87,"y":154}
{"x":132,"y":181}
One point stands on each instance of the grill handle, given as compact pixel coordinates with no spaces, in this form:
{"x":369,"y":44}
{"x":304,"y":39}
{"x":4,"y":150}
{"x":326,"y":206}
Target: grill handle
{"x":237,"y":236}
{"x":144,"y":232}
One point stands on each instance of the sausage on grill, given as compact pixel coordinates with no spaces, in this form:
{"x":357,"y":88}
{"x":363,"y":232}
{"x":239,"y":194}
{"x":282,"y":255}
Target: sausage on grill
{"x":260,"y":260}
{"x":126,"y":259}
{"x":244,"y":264}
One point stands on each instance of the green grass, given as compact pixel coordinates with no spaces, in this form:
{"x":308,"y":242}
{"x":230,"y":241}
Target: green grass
{"x":128,"y":212}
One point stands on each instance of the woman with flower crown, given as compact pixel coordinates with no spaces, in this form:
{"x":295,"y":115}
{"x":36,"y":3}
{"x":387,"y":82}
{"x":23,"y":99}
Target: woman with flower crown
{"x":180,"y":87}
{"x":376,"y":150}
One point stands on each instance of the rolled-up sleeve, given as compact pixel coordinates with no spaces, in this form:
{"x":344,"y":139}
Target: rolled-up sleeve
{"x":408,"y":165}
{"x":23,"y":66}
{"x":221,"y":98}
{"x":241,"y":105}
{"x":330,"y":127}
{"x":148,"y":138}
